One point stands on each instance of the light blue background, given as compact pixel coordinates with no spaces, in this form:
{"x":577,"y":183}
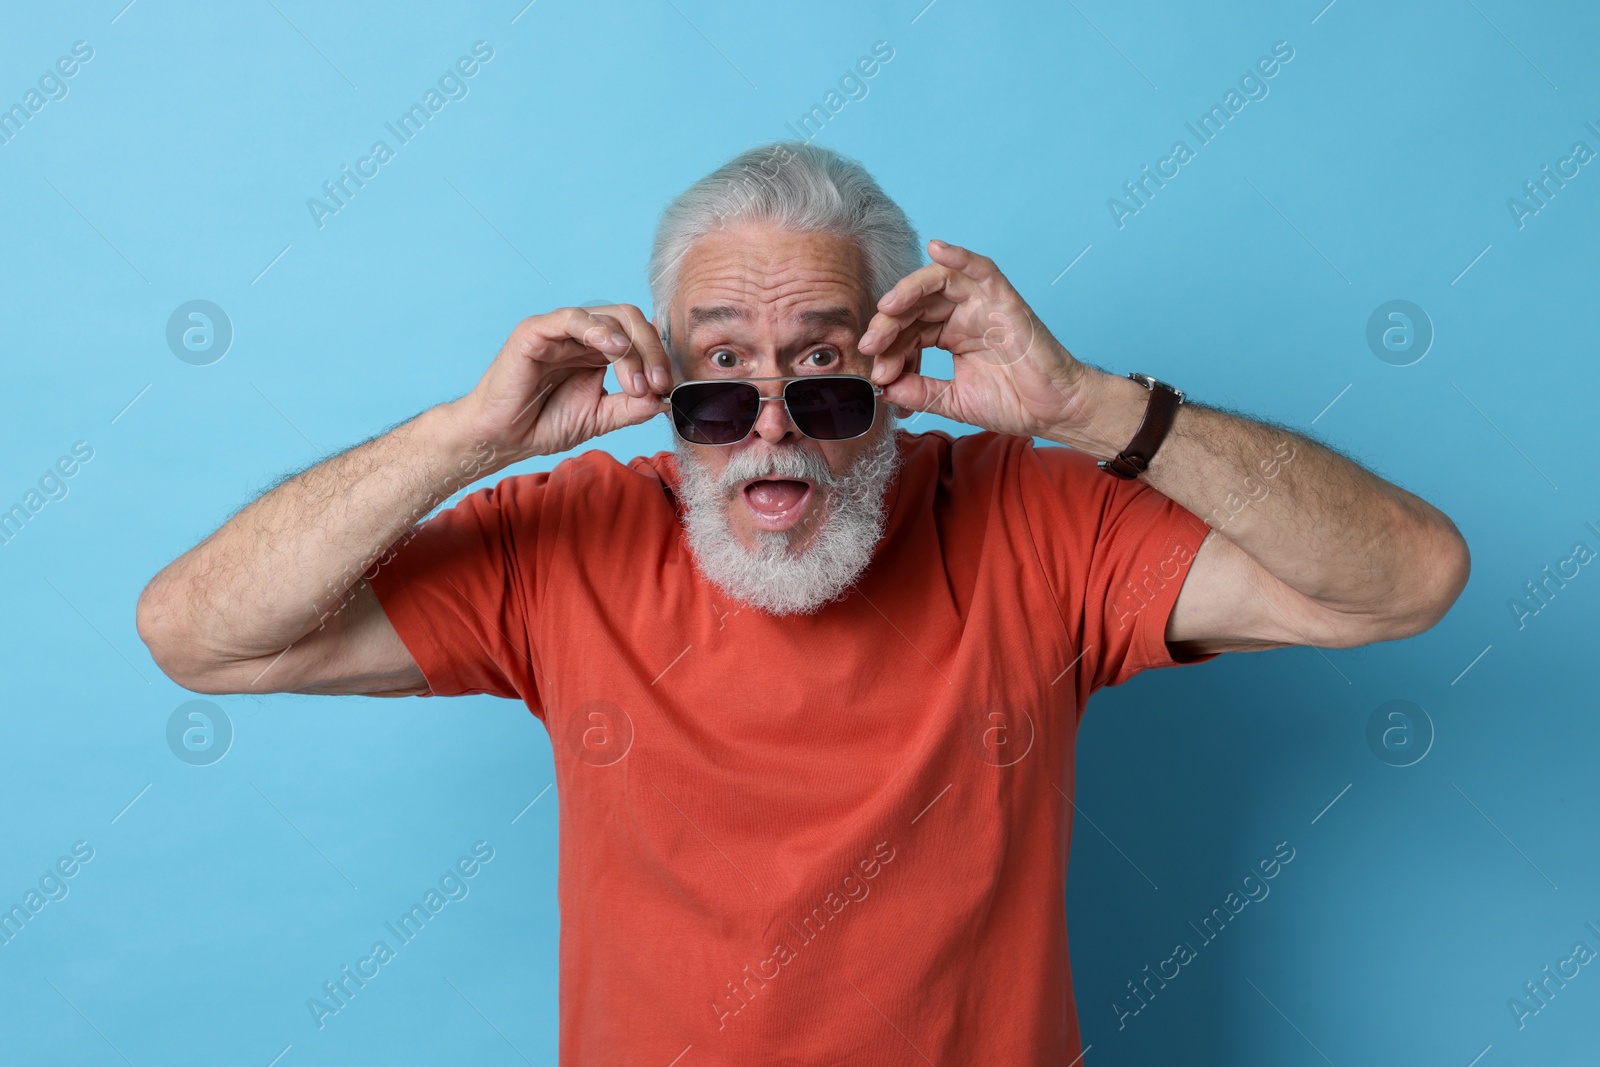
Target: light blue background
{"x":178,"y":168}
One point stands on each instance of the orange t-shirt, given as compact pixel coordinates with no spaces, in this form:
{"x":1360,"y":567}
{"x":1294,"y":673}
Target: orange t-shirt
{"x":826,"y":839}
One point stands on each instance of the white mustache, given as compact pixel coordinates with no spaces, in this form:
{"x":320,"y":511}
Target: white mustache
{"x":769,"y":576}
{"x":795,"y":462}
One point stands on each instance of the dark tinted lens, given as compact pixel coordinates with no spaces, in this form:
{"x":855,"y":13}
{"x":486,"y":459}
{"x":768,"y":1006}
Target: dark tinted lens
{"x":831,"y":409}
{"x":715,"y":413}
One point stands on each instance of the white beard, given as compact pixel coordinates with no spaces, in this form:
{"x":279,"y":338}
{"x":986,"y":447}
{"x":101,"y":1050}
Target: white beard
{"x":770,"y":576}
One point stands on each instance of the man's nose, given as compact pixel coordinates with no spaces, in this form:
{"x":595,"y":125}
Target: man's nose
{"x":772,"y":424}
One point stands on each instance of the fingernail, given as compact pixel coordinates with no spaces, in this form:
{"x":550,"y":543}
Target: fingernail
{"x":638,"y":383}
{"x":660,"y":376}
{"x":618,"y":339}
{"x":867,"y":338}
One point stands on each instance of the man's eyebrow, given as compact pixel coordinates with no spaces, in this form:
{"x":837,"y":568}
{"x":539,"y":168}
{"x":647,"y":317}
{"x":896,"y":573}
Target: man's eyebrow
{"x":834,"y":316}
{"x":705,"y":316}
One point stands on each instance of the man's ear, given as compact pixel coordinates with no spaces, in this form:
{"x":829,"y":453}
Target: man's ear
{"x":672,"y":357}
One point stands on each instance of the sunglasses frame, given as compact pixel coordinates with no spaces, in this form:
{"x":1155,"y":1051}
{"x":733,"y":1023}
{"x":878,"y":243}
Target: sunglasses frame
{"x":666,"y":403}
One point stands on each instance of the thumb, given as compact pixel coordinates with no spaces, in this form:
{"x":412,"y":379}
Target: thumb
{"x":921,"y":393}
{"x":617,"y":410}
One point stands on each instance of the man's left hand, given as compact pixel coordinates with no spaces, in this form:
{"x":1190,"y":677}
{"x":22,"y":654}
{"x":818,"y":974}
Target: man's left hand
{"x":1011,"y":376}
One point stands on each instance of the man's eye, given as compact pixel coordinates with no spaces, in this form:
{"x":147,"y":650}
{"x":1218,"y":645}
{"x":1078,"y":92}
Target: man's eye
{"x":825,"y":357}
{"x":725,"y":359}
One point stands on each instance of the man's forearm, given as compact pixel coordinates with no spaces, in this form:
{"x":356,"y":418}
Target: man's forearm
{"x":1324,"y":526}
{"x":284,"y":564}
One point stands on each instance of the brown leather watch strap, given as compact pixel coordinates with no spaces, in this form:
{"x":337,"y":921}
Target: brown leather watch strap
{"x":1158,"y":416}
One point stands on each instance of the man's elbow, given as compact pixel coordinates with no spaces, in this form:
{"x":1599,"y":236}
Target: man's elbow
{"x":160,"y":627}
{"x":1414,"y":595}
{"x":1439,"y":572}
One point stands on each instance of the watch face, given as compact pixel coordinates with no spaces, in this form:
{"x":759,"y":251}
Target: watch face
{"x":1154,"y":383}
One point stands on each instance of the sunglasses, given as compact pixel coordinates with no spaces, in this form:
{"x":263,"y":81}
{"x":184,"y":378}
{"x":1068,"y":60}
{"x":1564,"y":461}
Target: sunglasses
{"x":824,"y":407}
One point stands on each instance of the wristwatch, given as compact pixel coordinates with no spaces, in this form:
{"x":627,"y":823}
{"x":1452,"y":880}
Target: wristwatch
{"x":1158,"y":415}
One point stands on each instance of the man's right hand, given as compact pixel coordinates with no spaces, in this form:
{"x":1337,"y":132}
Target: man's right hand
{"x":248,"y":609}
{"x":545,"y":392}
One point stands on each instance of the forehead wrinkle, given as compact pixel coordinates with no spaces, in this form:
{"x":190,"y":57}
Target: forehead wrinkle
{"x":791,"y":303}
{"x":766,"y":286}
{"x":772,"y":281}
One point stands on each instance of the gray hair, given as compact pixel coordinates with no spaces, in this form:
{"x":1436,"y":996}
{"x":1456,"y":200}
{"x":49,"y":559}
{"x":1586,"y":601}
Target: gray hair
{"x":799,"y":186}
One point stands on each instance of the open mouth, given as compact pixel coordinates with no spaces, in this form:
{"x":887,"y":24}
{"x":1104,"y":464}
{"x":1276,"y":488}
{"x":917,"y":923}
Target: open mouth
{"x":776,"y":503}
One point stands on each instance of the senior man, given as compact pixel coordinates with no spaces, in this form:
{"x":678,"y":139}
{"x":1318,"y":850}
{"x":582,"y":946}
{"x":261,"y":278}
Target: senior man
{"x":812,"y":681}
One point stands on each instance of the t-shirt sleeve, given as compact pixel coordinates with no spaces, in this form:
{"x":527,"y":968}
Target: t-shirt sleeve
{"x":459,"y":590}
{"x":1116,"y":552}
